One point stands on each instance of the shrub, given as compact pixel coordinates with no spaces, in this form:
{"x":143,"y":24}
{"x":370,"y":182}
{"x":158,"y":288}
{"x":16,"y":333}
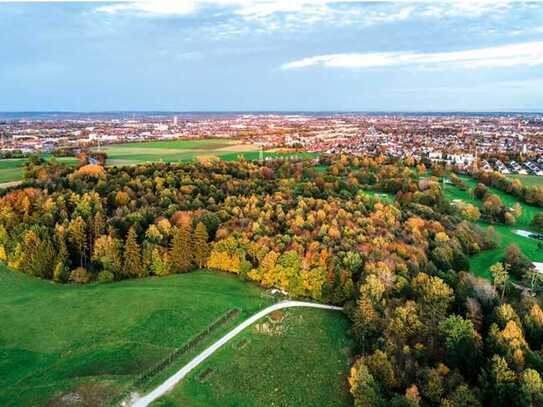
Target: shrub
{"x":106,"y":276}
{"x":80,"y":276}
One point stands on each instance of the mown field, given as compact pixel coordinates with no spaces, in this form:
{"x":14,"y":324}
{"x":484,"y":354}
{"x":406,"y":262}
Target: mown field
{"x":303,"y":361}
{"x":62,"y":342}
{"x":481,"y":263}
{"x":187,"y":150}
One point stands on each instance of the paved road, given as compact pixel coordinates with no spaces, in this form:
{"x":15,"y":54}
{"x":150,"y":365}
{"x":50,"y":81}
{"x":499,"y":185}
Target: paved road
{"x":181,"y":373}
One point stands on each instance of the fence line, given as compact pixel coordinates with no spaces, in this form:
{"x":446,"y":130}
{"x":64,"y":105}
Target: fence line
{"x":188,"y":346}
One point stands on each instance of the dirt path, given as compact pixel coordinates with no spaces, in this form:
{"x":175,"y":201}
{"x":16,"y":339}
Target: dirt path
{"x":170,"y":383}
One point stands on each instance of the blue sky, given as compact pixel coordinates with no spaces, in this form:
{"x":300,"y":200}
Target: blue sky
{"x":249,"y":55}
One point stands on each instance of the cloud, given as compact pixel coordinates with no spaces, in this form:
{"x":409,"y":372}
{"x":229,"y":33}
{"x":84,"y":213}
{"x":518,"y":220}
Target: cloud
{"x":528,"y":54}
{"x":254,"y":9}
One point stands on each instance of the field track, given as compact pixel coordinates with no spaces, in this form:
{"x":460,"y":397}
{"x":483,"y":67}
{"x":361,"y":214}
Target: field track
{"x":170,"y":383}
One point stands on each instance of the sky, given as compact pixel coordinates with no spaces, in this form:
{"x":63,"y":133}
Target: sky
{"x":271,"y":55}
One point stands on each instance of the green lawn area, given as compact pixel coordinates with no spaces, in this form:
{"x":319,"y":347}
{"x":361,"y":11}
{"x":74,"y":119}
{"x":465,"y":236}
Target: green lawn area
{"x":304,"y":362}
{"x":95,"y":340}
{"x":529,"y":180}
{"x":11,"y":169}
{"x":481,"y":262}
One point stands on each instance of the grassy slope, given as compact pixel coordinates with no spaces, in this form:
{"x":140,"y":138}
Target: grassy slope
{"x":481,"y":262}
{"x":306,"y":365}
{"x":54,"y":338}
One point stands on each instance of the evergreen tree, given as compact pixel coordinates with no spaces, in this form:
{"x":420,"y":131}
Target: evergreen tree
{"x":62,"y":256}
{"x":182,"y":251}
{"x":201,"y":246}
{"x":132,"y":255}
{"x":77,"y":236}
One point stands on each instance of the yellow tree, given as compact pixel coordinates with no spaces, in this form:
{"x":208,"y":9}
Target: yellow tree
{"x":201,"y":246}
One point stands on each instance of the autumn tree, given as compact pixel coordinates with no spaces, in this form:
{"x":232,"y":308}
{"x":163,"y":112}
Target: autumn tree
{"x":201,"y":246}
{"x":182,"y":249}
{"x":132,"y":255}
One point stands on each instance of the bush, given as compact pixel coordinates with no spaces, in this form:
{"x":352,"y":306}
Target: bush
{"x":106,"y":276}
{"x":80,"y":276}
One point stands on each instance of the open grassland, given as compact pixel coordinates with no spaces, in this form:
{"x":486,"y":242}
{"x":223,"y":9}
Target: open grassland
{"x":301,"y":359}
{"x":12,"y":169}
{"x":187,"y":150}
{"x":481,"y":263}
{"x":173,"y":151}
{"x":59,"y":342}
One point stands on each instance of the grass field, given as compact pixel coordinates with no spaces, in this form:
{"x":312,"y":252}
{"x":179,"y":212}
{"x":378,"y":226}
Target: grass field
{"x":481,"y":263}
{"x":304,"y":361}
{"x":186,"y":150}
{"x":12,"y":169}
{"x":174,"y":151}
{"x":529,"y":180}
{"x":94,"y":340}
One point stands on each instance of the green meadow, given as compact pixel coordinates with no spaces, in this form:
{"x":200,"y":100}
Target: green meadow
{"x":93,"y":341}
{"x":302,"y":360}
{"x":187,"y":150}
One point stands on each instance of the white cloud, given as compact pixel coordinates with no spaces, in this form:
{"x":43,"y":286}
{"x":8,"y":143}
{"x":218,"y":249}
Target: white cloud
{"x":528,"y":54}
{"x":265,"y":8}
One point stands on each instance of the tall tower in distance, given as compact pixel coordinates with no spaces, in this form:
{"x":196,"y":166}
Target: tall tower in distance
{"x":175,"y":120}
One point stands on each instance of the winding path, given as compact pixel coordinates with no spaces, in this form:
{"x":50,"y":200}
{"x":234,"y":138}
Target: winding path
{"x":181,"y":373}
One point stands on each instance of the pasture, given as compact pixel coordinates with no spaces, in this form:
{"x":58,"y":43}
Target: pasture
{"x":92,"y":342}
{"x":300,"y":358}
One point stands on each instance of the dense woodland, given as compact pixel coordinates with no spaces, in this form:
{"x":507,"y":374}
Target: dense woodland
{"x":427,"y":331}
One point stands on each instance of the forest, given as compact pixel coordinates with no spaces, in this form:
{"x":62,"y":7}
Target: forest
{"x":427,"y":331}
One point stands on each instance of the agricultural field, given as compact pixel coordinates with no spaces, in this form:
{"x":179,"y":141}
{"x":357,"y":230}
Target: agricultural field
{"x":297,"y":357}
{"x":481,"y":262}
{"x":187,"y":150}
{"x":173,"y":151}
{"x":62,"y":342}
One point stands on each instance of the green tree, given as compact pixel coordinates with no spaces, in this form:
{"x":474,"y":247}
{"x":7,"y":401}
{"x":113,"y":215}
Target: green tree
{"x":537,"y":222}
{"x":531,"y":386}
{"x":77,"y":236}
{"x":462,"y":342}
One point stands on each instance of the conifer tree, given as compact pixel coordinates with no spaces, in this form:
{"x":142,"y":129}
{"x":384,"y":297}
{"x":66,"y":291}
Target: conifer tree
{"x":182,"y":251}
{"x":78,"y":237}
{"x":132,"y":255}
{"x":62,"y":255}
{"x":201,"y":246}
